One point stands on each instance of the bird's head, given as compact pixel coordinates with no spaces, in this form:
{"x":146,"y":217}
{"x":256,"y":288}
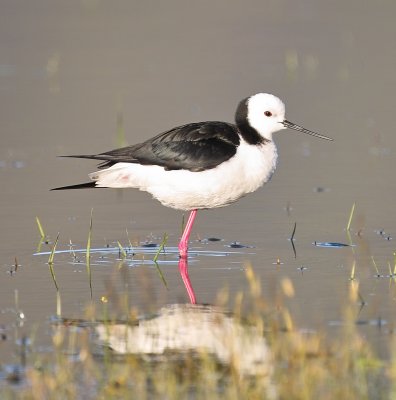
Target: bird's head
{"x":264,"y":114}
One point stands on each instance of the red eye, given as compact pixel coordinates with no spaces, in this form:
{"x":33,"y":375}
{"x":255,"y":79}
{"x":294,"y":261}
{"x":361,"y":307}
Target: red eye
{"x":268,"y":113}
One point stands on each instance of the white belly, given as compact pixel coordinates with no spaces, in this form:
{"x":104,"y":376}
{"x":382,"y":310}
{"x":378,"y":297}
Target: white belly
{"x":250,"y":168}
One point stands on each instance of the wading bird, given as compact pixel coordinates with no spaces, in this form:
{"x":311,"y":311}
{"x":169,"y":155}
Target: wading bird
{"x":202,"y":164}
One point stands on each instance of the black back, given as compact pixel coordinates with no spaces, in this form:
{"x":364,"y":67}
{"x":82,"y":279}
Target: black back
{"x":194,"y":147}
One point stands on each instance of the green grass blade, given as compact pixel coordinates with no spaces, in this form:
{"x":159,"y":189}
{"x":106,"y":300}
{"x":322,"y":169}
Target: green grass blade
{"x":51,"y":262}
{"x":40,"y":244}
{"x":352,"y":277}
{"x":350,"y":217}
{"x":40,"y":228}
{"x":122,"y":250}
{"x":161,"y":274}
{"x":161,"y":247}
{"x":52,"y":255}
{"x":88,"y":254}
{"x":129,"y":240}
{"x":394,"y":263}
{"x":348,"y":233}
{"x":375,"y":265}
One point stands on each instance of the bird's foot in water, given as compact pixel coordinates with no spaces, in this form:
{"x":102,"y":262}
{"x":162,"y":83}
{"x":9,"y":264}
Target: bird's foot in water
{"x":183,"y":250}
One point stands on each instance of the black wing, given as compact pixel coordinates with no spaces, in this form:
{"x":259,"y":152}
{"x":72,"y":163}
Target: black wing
{"x":195,"y":147}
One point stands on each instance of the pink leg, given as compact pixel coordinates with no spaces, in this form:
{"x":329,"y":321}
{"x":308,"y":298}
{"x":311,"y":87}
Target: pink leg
{"x":183,"y":268}
{"x":183,"y":244}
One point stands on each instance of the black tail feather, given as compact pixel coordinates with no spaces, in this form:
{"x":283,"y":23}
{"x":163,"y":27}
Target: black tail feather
{"x":100,"y":157}
{"x":88,"y":185}
{"x":107,"y":160}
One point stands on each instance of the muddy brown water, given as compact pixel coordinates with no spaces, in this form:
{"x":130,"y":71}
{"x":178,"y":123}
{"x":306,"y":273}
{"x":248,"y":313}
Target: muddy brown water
{"x":70,"y":71}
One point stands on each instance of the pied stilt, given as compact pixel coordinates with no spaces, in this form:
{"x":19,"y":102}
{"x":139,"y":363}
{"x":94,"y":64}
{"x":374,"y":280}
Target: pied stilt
{"x":202,"y":164}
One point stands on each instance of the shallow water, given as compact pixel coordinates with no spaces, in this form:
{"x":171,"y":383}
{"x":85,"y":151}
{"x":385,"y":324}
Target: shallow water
{"x":84,"y":77}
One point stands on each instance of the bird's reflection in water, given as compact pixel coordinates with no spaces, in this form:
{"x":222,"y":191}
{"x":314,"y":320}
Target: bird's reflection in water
{"x":192,"y":329}
{"x":204,"y":341}
{"x":183,"y":332}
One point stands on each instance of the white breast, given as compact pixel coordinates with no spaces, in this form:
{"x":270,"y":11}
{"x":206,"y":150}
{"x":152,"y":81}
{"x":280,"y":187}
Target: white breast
{"x":250,"y":168}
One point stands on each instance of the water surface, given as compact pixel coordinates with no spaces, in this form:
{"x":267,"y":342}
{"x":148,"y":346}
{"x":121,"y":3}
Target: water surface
{"x":88,"y":76}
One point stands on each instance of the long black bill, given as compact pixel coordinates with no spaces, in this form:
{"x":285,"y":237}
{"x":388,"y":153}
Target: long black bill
{"x":299,"y":128}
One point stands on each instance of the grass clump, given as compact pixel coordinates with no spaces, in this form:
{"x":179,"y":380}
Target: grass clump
{"x":297,"y":364}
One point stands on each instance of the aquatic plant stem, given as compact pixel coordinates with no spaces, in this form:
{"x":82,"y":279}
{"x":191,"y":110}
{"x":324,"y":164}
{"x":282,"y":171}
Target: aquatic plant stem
{"x":40,"y":228}
{"x":51,"y":267}
{"x":375,"y":266}
{"x":352,"y":277}
{"x":122,"y":252}
{"x":350,"y":217}
{"x":88,"y":254}
{"x":51,"y":262}
{"x":161,"y":247}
